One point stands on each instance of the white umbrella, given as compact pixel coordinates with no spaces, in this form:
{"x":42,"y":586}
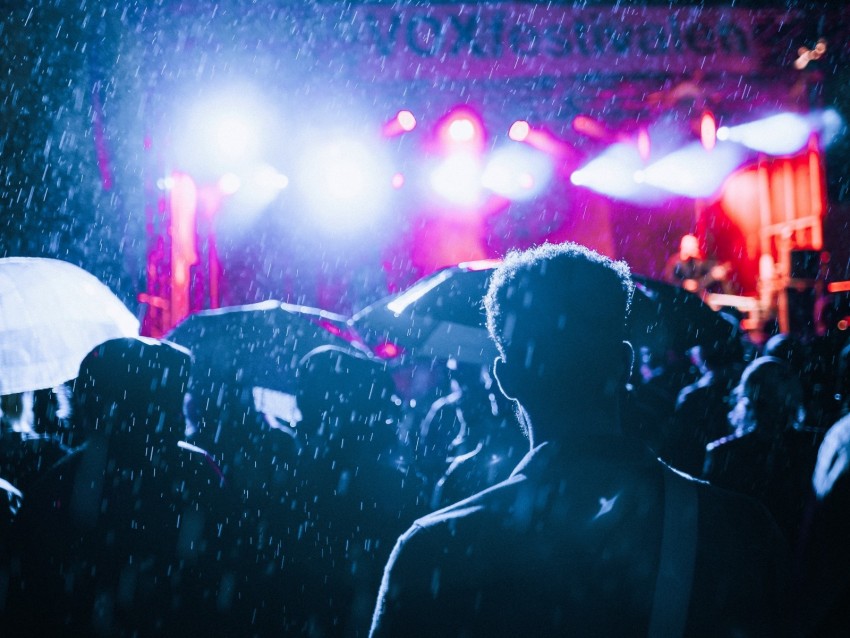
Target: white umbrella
{"x":52,"y":314}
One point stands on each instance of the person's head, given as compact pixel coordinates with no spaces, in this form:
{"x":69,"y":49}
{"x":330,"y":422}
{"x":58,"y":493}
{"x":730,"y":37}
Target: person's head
{"x":132,"y":386}
{"x":557,"y":314}
{"x":689,"y":248}
{"x":342,"y":392}
{"x":787,"y":348}
{"x":768,"y":399}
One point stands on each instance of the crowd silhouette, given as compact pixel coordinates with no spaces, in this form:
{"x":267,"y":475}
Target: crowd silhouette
{"x":579,"y":487}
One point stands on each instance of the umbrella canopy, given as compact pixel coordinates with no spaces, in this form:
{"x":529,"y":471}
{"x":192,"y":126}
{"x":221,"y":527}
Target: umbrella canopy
{"x":257,"y":345}
{"x":52,"y":314}
{"x":664,"y":313}
{"x":442,"y":316}
{"x":439,"y":317}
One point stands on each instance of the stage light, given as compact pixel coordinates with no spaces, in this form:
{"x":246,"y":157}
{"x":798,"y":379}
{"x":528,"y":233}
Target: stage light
{"x":458,"y":179}
{"x":517,"y":172}
{"x":229,"y":183}
{"x":519,"y":131}
{"x":693,"y":171}
{"x":612,"y":173}
{"x":781,"y":134}
{"x":590,"y":127}
{"x":461,"y":128}
{"x":644,"y":144}
{"x":708,"y":130}
{"x":406,"y":120}
{"x":398,"y":180}
{"x":346,"y":183}
{"x":403,"y":122}
{"x":723,"y":134}
{"x":268,"y":178}
{"x":223,"y":131}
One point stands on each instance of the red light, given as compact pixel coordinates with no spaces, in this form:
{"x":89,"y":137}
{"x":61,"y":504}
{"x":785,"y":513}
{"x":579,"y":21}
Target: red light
{"x":519,"y":131}
{"x":387,"y":350}
{"x":708,"y":130}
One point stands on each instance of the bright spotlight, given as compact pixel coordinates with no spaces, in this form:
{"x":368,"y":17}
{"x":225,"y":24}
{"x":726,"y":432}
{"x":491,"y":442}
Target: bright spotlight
{"x":229,"y":183}
{"x":458,"y":179}
{"x":723,"y":133}
{"x":267,"y":177}
{"x":519,"y":131}
{"x":517,"y":172}
{"x":693,"y":171}
{"x":403,"y":122}
{"x":346,"y":183}
{"x":224,"y":132}
{"x":613,"y":173}
{"x":233,"y":136}
{"x":708,"y":130}
{"x":461,"y":128}
{"x":406,"y":120}
{"x":781,"y":134}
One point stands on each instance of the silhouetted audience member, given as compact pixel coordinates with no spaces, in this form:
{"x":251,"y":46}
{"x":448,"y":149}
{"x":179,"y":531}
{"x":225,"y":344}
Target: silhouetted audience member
{"x":257,"y":457}
{"x":822,"y":596}
{"x":25,"y":453}
{"x":356,"y":488}
{"x":768,"y":457}
{"x":116,"y":538}
{"x":485,"y":443}
{"x":591,"y":534}
{"x":701,"y":407}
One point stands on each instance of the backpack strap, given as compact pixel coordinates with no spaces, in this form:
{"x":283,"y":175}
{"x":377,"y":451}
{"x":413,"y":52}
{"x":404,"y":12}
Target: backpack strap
{"x":678,"y":555}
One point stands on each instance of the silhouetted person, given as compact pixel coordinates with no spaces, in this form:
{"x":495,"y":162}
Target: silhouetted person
{"x":591,"y":534}
{"x":768,"y":457}
{"x":117,"y":537}
{"x":822,"y":594}
{"x":700,"y":416}
{"x":484,"y":442}
{"x":356,"y":489}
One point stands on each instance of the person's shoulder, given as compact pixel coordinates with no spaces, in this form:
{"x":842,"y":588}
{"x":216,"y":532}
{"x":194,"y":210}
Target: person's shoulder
{"x":494,"y":501}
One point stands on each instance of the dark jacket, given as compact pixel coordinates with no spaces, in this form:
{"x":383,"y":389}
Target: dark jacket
{"x":570,"y":544}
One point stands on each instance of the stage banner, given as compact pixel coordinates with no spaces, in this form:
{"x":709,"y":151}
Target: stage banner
{"x":510,"y":40}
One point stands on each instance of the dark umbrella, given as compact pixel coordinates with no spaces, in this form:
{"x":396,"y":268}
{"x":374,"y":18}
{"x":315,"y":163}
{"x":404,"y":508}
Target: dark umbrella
{"x":663,"y":313}
{"x":257,"y":345}
{"x":440,"y":317}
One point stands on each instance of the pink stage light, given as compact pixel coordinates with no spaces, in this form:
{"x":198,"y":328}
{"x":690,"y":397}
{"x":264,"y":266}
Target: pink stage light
{"x":644,"y":144}
{"x":406,"y":120}
{"x":519,"y":131}
{"x":461,"y":129}
{"x":403,"y":122}
{"x":387,"y":350}
{"x":398,"y":180}
{"x":708,"y":130}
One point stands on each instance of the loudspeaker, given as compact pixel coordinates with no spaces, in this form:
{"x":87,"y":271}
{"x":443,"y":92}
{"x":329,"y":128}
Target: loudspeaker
{"x":801,"y":310}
